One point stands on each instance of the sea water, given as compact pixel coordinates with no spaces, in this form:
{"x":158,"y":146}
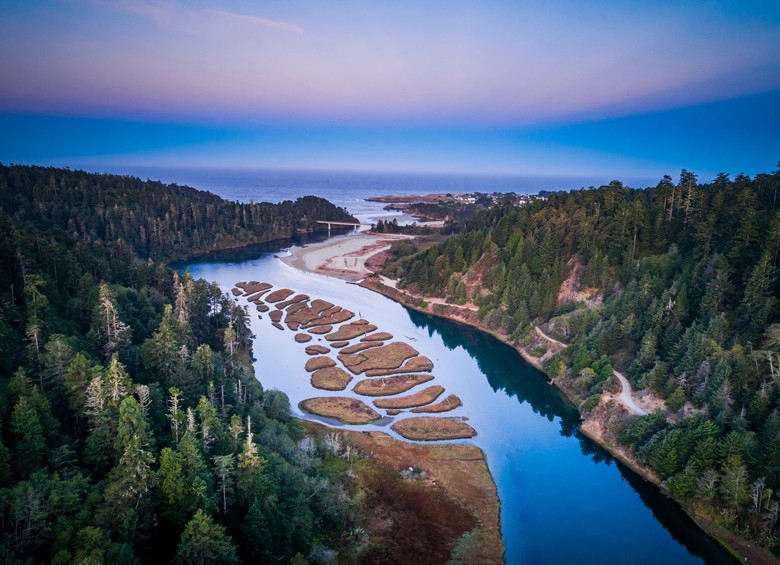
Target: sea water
{"x":350,"y":189}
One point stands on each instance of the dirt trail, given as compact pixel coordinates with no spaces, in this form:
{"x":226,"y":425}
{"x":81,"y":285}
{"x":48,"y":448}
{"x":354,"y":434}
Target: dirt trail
{"x":548,"y":338}
{"x":626,"y":394}
{"x":393,"y":283}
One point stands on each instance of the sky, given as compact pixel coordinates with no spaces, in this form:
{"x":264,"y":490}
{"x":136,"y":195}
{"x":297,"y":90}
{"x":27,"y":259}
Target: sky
{"x":558,"y":87}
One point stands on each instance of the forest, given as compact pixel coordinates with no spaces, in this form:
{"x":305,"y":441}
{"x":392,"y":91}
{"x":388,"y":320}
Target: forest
{"x":132,"y":428}
{"x":675,"y":285}
{"x":148,"y":219}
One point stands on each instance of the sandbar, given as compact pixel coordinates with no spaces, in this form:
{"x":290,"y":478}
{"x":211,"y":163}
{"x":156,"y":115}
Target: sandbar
{"x":343,"y":257}
{"x":430,"y":428}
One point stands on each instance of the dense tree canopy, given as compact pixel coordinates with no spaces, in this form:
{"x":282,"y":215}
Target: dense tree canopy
{"x":678,"y":287}
{"x":149,"y":219}
{"x":131,"y":427}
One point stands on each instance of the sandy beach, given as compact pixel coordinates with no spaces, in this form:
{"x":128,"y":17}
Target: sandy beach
{"x":343,"y":257}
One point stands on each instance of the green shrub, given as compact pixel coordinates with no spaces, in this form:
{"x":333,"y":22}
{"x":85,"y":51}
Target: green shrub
{"x":590,"y":403}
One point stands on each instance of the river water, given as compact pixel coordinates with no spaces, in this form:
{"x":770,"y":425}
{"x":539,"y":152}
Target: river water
{"x":563,"y":498}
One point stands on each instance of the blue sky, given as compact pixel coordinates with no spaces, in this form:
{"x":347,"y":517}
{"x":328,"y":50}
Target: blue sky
{"x":634,"y":89}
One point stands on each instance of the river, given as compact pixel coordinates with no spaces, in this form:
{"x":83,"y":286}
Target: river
{"x":563,"y":498}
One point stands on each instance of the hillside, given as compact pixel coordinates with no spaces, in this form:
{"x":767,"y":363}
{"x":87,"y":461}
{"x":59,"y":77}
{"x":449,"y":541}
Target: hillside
{"x":131,"y":426}
{"x":676,"y":286}
{"x":152,"y":220}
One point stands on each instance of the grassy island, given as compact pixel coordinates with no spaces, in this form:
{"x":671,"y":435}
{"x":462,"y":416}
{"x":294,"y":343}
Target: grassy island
{"x":330,"y":378}
{"x":390,"y":385}
{"x":425,"y":396}
{"x":428,"y":428}
{"x":343,"y":409}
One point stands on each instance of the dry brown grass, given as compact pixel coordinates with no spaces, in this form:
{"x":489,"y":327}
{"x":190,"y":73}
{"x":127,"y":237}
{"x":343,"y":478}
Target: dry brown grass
{"x":330,"y":311}
{"x":262,"y":308}
{"x":420,"y":521}
{"x":425,"y":396}
{"x":319,"y":330}
{"x":278,"y":295}
{"x":421,"y":363}
{"x":379,"y":336}
{"x":346,"y":410}
{"x":319,"y":363}
{"x":360,"y":347}
{"x":302,"y":338}
{"x":339,"y":344}
{"x":277,"y":325}
{"x":431,"y":428}
{"x":332,"y":378}
{"x":390,"y":385}
{"x":386,"y":357}
{"x":293,"y":308}
{"x":304,"y":314}
{"x":294,"y":300}
{"x":275,"y":316}
{"x":351,"y":331}
{"x":449,"y":403}
{"x":336,"y":318}
{"x":317,"y":350}
{"x":252,"y":287}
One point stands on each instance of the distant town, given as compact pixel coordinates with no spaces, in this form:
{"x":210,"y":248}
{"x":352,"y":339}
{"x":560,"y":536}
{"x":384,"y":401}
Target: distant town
{"x":480,"y":198}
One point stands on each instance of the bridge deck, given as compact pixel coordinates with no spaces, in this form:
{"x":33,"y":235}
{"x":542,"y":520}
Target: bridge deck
{"x":341,"y":223}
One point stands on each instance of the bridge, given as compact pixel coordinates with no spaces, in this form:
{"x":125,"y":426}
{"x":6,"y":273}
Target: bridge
{"x":331,"y":223}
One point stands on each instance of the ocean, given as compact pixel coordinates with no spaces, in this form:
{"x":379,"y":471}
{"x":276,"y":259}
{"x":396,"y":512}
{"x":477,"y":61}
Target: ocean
{"x":346,"y":189}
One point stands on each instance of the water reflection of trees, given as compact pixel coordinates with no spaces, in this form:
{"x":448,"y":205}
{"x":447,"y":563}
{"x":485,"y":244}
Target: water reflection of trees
{"x":250,"y":252}
{"x":507,"y":371}
{"x":675,"y":521}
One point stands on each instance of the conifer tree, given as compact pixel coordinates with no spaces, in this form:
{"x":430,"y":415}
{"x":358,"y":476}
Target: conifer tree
{"x":30,"y":444}
{"x":204,"y":542}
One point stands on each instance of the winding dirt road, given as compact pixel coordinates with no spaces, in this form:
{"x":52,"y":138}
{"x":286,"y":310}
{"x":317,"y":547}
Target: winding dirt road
{"x":626,"y":394}
{"x":627,"y":397}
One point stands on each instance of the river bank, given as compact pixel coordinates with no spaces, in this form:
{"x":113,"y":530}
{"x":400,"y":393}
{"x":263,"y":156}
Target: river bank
{"x":554,"y":485}
{"x":437,"y":500}
{"x":343,"y":257}
{"x":592,"y":427}
{"x":351,"y":253}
